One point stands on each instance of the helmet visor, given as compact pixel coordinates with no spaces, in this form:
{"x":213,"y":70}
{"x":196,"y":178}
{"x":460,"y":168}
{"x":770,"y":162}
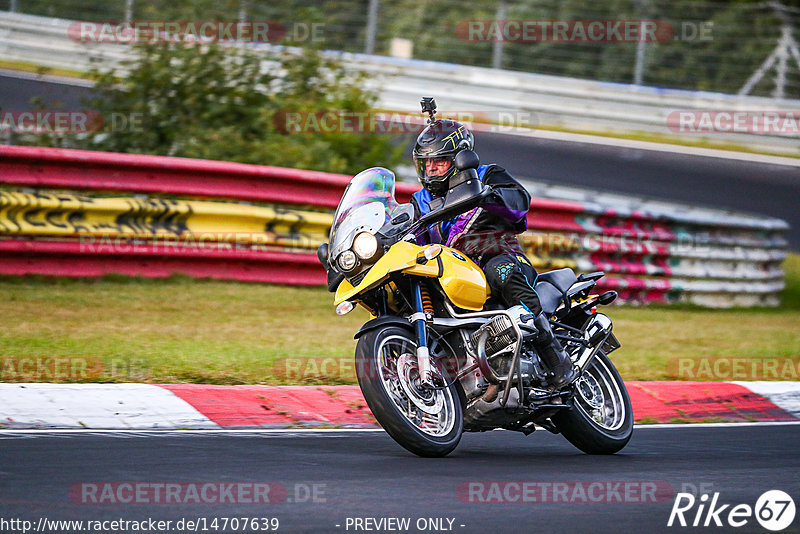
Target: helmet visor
{"x":433,"y":168}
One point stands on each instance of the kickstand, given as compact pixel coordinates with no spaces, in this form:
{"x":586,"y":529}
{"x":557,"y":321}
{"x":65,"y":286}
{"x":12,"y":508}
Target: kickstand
{"x":548,"y":425}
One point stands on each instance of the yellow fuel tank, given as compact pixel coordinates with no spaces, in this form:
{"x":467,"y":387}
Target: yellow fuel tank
{"x":462,"y":280}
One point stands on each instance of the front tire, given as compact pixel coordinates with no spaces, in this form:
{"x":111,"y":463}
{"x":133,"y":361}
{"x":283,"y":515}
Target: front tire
{"x":427,"y":423}
{"x":601,"y":419}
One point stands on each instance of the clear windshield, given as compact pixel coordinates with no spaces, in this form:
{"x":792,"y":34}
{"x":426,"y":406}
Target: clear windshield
{"x":368,"y":205}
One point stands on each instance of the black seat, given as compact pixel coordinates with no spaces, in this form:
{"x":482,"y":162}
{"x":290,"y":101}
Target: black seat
{"x":550,"y":287}
{"x":562,"y":279}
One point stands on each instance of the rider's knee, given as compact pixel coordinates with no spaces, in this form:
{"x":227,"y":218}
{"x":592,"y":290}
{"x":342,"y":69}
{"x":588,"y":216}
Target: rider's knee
{"x":498,"y":272}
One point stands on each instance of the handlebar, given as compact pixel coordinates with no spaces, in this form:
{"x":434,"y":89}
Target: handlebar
{"x":448,"y":211}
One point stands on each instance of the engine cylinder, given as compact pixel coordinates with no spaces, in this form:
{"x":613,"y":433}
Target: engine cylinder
{"x":501,"y":335}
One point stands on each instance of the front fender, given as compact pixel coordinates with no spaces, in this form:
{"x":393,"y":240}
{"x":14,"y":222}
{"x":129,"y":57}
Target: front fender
{"x":372,"y":324}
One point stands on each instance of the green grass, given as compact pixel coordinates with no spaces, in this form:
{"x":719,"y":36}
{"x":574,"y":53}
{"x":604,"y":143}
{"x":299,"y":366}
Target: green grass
{"x":122,"y":329}
{"x":174,"y":330}
{"x":790,"y":299}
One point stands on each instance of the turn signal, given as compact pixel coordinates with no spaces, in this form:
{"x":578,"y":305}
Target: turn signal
{"x":432,"y":251}
{"x":344,"y":308}
{"x":607,"y":297}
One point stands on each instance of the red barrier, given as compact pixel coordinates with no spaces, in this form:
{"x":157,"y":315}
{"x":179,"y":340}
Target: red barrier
{"x":73,"y":259}
{"x":97,"y":171}
{"x":107,"y":171}
{"x":633,"y":243}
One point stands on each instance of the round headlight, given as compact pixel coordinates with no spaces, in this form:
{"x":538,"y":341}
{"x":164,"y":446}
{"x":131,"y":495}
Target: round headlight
{"x":365,"y":245}
{"x":347,"y":260}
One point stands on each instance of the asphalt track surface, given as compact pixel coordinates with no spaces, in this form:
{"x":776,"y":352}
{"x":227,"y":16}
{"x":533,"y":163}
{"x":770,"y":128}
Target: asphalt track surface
{"x":772,"y":190}
{"x":365,"y":474}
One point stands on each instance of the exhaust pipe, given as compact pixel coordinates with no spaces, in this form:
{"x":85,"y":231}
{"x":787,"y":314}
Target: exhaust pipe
{"x":596,"y":333}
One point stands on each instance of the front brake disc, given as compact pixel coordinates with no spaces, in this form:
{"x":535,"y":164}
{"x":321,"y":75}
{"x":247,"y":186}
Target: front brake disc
{"x":426,"y":399}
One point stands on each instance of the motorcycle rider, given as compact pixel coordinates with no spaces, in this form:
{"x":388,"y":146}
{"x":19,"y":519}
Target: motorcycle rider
{"x":487,"y":233}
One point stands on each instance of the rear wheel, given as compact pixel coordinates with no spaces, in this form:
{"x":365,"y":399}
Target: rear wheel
{"x":427,"y":422}
{"x":600,"y":420}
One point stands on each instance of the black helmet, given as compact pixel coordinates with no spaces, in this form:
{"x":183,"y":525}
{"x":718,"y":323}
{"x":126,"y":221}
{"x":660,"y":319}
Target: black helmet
{"x":440,"y":139}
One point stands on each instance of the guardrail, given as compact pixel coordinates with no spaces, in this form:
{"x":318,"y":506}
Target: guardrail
{"x":555,"y":101}
{"x":82,"y":213}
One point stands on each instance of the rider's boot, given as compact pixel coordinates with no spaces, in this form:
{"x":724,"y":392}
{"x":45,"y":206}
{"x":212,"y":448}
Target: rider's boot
{"x":553,"y":354}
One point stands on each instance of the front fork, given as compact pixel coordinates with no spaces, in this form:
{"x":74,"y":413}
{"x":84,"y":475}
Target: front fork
{"x":423,"y":354}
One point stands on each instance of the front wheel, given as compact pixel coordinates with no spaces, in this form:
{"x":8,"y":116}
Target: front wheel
{"x":427,"y":422}
{"x":600,"y":420}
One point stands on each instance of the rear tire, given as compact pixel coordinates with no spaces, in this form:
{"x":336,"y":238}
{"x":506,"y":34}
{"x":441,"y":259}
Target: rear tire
{"x":601,"y":419}
{"x":388,"y":395}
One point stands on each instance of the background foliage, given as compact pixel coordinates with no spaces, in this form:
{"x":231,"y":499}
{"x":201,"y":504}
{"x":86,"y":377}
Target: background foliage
{"x":225,"y":103}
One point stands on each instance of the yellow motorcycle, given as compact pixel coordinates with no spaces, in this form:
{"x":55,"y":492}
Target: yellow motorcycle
{"x":439,"y":356}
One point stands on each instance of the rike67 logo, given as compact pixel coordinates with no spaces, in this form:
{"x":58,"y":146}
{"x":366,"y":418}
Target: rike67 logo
{"x":774,"y":510}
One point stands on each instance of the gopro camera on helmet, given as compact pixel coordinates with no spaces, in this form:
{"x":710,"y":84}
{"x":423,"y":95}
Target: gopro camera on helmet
{"x":436,"y":149}
{"x":429,"y":106}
